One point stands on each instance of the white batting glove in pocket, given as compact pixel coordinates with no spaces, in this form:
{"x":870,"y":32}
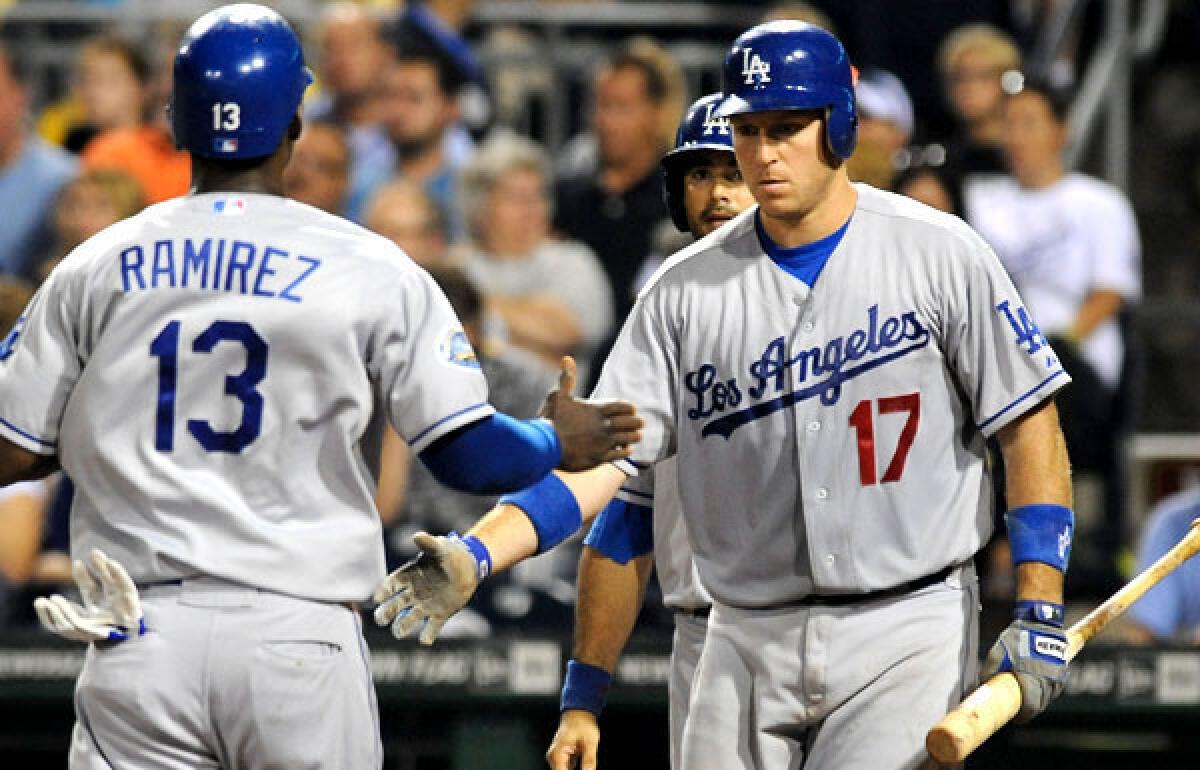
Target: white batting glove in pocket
{"x":111,"y":608}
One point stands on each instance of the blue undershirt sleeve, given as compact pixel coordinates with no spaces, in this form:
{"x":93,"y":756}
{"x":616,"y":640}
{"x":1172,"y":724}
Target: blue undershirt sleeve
{"x":622,"y":531}
{"x":494,"y":455}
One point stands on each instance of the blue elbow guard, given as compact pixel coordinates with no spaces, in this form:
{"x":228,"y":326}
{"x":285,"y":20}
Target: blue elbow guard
{"x":1041,"y":533}
{"x":622,"y":531}
{"x":551,"y":508}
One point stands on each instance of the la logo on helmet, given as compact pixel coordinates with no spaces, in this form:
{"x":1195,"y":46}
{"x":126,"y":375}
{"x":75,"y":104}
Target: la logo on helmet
{"x":753,"y":67}
{"x":712,"y":123}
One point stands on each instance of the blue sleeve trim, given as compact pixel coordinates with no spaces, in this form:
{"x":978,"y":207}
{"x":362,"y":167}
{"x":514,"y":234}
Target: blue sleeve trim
{"x":417,"y":438}
{"x":28,"y":435}
{"x":495,"y":454}
{"x":1041,"y":533}
{"x":983,"y":425}
{"x":551,"y":508}
{"x":622,"y":531}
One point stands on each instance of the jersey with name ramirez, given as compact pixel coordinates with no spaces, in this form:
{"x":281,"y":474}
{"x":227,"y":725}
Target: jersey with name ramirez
{"x":214,"y":373}
{"x":831,"y":440}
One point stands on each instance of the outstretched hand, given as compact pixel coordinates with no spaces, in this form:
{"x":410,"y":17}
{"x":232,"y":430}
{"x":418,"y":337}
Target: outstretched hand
{"x":590,"y":432}
{"x":427,"y":591}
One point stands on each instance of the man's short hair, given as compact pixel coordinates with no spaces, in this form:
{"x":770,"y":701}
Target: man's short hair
{"x":465,"y":298}
{"x":1000,"y":49}
{"x":449,"y":79}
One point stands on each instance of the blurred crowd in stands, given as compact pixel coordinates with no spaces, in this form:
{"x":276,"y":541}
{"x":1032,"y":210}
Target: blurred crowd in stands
{"x":542,"y":253}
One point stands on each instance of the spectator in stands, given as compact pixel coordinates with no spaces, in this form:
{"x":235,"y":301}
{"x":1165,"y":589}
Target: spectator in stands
{"x":929,"y":185}
{"x":551,"y":295}
{"x":401,"y":212}
{"x":352,"y":54}
{"x":420,"y":118}
{"x":614,"y":201}
{"x":86,"y":205}
{"x":319,"y":171}
{"x":112,"y":84}
{"x":31,"y":174}
{"x":435,"y":27}
{"x":145,"y":151}
{"x":972,"y":61}
{"x":798,"y":11}
{"x":1071,"y":244}
{"x":1169,"y":612}
{"x":885,"y":124}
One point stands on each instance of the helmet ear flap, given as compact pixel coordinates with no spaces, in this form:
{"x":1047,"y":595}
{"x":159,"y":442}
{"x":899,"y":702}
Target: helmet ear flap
{"x":841,"y":129}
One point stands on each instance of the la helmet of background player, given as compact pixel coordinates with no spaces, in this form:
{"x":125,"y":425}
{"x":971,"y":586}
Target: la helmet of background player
{"x":239,"y":80}
{"x":700,"y":129}
{"x":791,"y":65}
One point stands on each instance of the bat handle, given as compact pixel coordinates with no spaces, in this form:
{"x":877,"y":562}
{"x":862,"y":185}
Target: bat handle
{"x":984,"y":712}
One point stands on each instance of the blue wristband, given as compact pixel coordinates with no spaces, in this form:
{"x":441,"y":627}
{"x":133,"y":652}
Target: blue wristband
{"x":585,"y":688}
{"x":1040,"y":612}
{"x":1041,"y":533}
{"x":551,"y":508}
{"x":483,"y":557}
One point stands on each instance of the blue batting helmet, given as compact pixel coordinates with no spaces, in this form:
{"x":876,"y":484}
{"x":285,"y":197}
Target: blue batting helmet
{"x":239,"y":79}
{"x":700,"y":129}
{"x":790,"y":65}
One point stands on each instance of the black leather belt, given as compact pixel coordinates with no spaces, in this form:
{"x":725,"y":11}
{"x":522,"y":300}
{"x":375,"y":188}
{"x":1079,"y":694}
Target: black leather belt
{"x":695,"y":612}
{"x":845,"y":600}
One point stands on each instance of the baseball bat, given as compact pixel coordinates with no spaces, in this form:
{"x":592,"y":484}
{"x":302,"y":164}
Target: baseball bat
{"x":997,"y":700}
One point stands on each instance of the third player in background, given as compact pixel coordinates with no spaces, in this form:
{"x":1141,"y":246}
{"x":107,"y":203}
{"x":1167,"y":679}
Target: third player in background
{"x":704,"y":190}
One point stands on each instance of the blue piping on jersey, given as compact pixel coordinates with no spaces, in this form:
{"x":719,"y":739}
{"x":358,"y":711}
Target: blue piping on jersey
{"x":1019,"y":399}
{"x":635,"y":493}
{"x":26,"y":434}
{"x":725,"y":426}
{"x":415,"y":439}
{"x":801,"y":262}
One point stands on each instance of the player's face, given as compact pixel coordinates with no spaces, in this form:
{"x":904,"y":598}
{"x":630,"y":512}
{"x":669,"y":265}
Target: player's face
{"x":713,"y":192}
{"x":784,"y":160}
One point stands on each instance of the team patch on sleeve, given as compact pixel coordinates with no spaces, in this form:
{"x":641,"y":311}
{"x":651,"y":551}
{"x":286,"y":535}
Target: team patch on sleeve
{"x":1027,"y":333}
{"x":455,"y":348}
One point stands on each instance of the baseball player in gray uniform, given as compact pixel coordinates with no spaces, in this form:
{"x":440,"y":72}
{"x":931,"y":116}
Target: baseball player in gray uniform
{"x":703,"y":190}
{"x":826,"y":369}
{"x":213,"y":374}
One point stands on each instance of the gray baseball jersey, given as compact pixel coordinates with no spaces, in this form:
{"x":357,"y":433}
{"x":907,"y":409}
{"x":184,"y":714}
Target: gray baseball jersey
{"x":213,"y":373}
{"x":831,"y":440}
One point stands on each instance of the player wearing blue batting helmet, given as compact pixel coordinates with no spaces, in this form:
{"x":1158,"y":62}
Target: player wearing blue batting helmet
{"x":239,"y":80}
{"x":699,"y":131}
{"x":791,"y":65}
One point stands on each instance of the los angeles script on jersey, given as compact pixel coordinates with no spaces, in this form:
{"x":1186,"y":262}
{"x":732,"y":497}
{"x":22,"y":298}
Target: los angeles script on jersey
{"x":216,"y":264}
{"x":840,"y":359}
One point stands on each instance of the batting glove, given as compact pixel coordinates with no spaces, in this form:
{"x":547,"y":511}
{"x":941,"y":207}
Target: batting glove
{"x":428,"y":590}
{"x":111,"y":608}
{"x":1034,"y":649}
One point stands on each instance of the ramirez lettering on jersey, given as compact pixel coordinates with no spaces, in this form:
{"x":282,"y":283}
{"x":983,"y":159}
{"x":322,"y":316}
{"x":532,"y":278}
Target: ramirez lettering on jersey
{"x":216,"y":264}
{"x":837,"y":361}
